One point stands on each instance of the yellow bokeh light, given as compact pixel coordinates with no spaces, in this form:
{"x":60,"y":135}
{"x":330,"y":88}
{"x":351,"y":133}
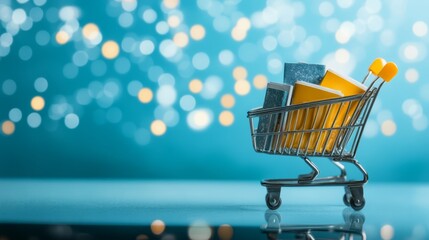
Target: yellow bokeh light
{"x":173,"y":21}
{"x":37,"y":103}
{"x":260,"y":81}
{"x":197,"y":32}
{"x":110,"y":49}
{"x":157,"y":227}
{"x":227,"y":101}
{"x":90,"y":31}
{"x":181,"y":39}
{"x":243,"y":24}
{"x":171,"y":3}
{"x":238,"y":34}
{"x":387,"y":232}
{"x":158,"y":128}
{"x":8,"y":127}
{"x":225,"y":232}
{"x":388,"y":128}
{"x":226,"y":118}
{"x":195,"y":86}
{"x":145,"y":95}
{"x":62,"y":37}
{"x":239,"y":73}
{"x":242,"y":87}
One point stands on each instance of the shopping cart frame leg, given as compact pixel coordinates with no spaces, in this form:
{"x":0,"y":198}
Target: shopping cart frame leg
{"x":303,"y":178}
{"x":354,"y":194}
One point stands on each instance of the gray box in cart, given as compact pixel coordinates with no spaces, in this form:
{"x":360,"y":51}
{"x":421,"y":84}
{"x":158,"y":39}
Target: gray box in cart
{"x":277,"y":95}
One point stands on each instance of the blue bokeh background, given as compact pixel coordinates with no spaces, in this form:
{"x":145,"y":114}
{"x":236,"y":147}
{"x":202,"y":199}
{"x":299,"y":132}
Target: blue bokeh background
{"x":112,"y":137}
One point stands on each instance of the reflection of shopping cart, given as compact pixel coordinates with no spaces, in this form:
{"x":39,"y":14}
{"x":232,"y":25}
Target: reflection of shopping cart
{"x":329,"y":128}
{"x":352,"y":228}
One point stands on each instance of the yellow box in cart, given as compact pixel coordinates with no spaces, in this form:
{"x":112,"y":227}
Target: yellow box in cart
{"x":300,"y":123}
{"x":349,"y":87}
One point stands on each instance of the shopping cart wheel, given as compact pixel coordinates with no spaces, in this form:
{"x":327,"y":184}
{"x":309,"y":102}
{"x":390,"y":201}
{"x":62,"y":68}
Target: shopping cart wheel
{"x":346,"y":200}
{"x":273,"y":200}
{"x":357,"y":204}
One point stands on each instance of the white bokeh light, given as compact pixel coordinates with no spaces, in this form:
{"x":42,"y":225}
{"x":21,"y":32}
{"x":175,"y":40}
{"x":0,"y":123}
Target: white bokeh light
{"x":71,"y":121}
{"x":199,"y":119}
{"x":166,"y":95}
{"x":200,"y":61}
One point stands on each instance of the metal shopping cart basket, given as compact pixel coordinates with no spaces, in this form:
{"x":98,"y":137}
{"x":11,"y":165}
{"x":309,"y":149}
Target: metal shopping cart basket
{"x":333,"y":130}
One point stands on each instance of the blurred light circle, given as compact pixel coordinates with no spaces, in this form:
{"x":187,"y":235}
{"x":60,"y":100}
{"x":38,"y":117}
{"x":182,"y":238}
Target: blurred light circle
{"x":204,"y":4}
{"x":149,"y":16}
{"x":200,"y":61}
{"x":173,"y":21}
{"x":170,"y":3}
{"x":199,"y":119}
{"x":412,"y":75}
{"x":125,"y":20}
{"x":90,"y":31}
{"x":43,"y":37}
{"x":8,"y":127}
{"x":199,"y":230}
{"x":371,"y":129}
{"x":158,"y":128}
{"x":420,"y":29}
{"x":260,"y":81}
{"x":411,"y":52}
{"x":162,"y":27}
{"x":326,"y":9}
{"x":9,"y":87}
{"x":166,"y":95}
{"x":122,"y":65}
{"x":129,"y":5}
{"x":345,"y":32}
{"x":332,"y":25}
{"x":420,"y":123}
{"x":197,"y":32}
{"x":412,"y":108}
{"x":19,"y":16}
{"x":226,"y":118}
{"x":166,"y":79}
{"x":221,"y":23}
{"x":342,"y":55}
{"x":225,"y":232}
{"x":375,"y":23}
{"x":227,"y":101}
{"x":269,"y":43}
{"x":70,"y":71}
{"x":111,"y":89}
{"x":171,"y":117}
{"x":39,"y":2}
{"x":187,"y":102}
{"x":168,"y":48}
{"x":82,"y":96}
{"x":128,"y":44}
{"x":146,"y":47}
{"x":62,"y":37}
{"x":239,"y":73}
{"x":34,"y":120}
{"x":238,"y":34}
{"x":80,"y":58}
{"x":114,"y":115}
{"x":157,"y":227}
{"x":71,"y":121}
{"x":195,"y":86}
{"x":25,"y":53}
{"x":275,"y":65}
{"x":242,"y":87}
{"x":15,"y":115}
{"x":110,"y":49}
{"x":212,"y":86}
{"x":69,"y":13}
{"x":142,"y":136}
{"x":181,"y":39}
{"x":388,"y":128}
{"x":285,"y":38}
{"x":345,"y":3}
{"x":387,"y":232}
{"x":41,"y":84}
{"x":373,"y":6}
{"x":226,"y":57}
{"x":134,"y":87}
{"x":154,"y":72}
{"x":37,"y":103}
{"x":145,"y":95}
{"x":98,"y":68}
{"x":6,"y":40}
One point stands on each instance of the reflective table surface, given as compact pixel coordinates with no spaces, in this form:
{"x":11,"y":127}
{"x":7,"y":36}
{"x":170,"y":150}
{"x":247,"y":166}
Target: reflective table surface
{"x":89,"y":209}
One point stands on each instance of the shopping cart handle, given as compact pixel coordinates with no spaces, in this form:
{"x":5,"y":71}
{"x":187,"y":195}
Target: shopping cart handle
{"x":388,"y":72}
{"x":376,"y":66}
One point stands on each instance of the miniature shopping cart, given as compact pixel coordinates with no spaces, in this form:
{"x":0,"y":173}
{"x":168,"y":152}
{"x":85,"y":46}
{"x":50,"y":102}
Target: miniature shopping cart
{"x":334,"y":129}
